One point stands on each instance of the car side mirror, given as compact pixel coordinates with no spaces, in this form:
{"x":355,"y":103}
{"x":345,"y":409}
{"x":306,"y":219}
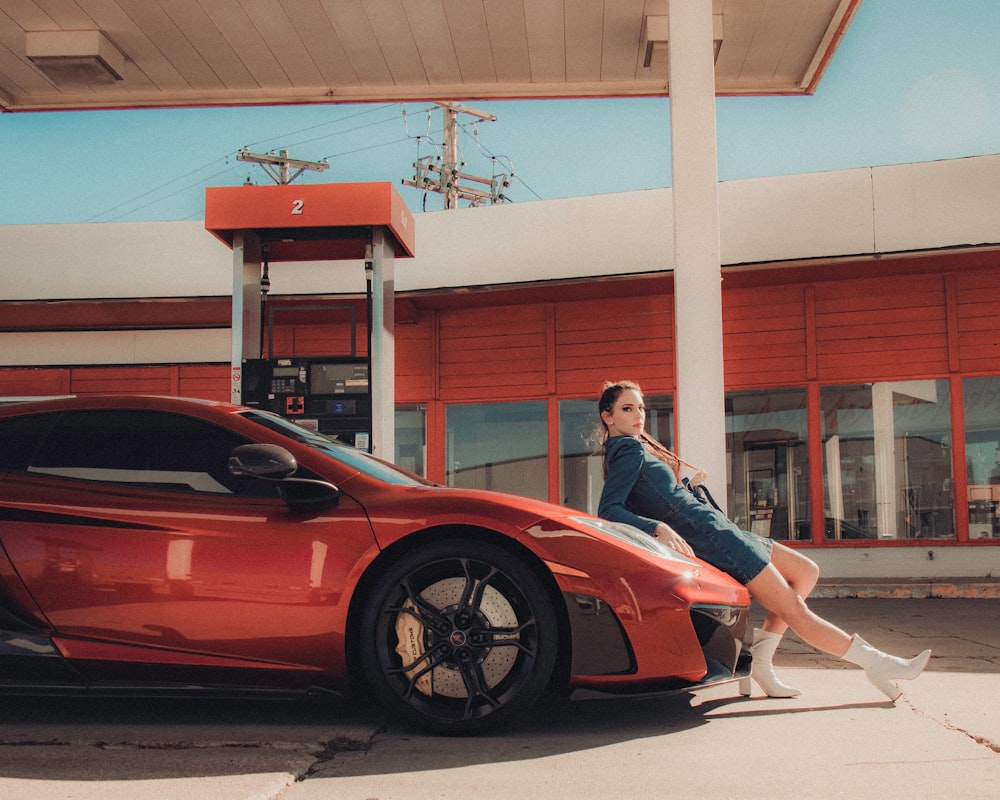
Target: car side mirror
{"x":271,"y":462}
{"x":304,"y":495}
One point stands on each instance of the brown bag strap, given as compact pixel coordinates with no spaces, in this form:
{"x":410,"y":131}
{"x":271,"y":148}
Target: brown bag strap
{"x":666,"y":455}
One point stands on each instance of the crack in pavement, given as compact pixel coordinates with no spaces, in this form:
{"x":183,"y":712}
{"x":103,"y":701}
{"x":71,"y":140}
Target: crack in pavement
{"x":337,"y":747}
{"x":947,"y":724}
{"x":321,"y":753}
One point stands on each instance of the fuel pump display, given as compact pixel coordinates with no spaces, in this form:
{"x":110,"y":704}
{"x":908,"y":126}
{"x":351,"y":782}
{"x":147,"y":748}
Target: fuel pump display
{"x":328,"y":395}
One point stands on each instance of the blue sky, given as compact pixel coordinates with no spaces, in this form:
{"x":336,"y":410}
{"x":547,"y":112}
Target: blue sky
{"x":913,"y":80}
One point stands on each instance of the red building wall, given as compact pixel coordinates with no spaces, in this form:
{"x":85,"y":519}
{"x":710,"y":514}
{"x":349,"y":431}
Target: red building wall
{"x":909,"y":319}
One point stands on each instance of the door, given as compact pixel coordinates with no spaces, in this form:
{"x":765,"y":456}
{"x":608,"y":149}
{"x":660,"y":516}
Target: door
{"x":129,"y":530}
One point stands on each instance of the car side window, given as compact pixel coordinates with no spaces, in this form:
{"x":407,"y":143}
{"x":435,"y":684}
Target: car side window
{"x":19,"y":436}
{"x":143,"y":449}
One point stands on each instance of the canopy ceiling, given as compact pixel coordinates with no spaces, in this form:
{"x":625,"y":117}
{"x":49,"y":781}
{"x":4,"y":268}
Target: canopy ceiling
{"x":77,"y":54}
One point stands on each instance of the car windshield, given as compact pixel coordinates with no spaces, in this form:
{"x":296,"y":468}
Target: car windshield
{"x":358,"y":459}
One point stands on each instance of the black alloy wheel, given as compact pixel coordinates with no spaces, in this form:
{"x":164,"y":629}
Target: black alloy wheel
{"x":458,"y":637}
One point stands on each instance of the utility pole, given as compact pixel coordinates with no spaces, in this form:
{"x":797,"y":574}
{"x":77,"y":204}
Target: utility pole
{"x":449,"y":135}
{"x":284,"y":164}
{"x":446,"y":178}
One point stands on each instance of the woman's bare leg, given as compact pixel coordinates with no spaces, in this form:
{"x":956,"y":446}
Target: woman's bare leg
{"x":799,"y":572}
{"x":786,"y":607}
{"x":782,"y":588}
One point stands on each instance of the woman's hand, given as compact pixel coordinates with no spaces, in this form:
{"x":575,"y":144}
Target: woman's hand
{"x":673,"y":540}
{"x":699,"y":479}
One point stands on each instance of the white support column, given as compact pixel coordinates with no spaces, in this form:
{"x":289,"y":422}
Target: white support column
{"x":383,"y":344}
{"x":885,"y":459}
{"x":246,"y":321}
{"x":700,"y":398}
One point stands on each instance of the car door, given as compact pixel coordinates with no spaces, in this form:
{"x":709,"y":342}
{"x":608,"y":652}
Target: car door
{"x":127,"y":529}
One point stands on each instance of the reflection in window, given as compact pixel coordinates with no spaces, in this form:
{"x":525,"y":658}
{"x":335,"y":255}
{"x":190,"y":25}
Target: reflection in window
{"x":411,"y":439}
{"x":887,"y":469}
{"x":581,"y":476}
{"x":767,"y":444}
{"x":498,"y":446}
{"x":982,"y":455}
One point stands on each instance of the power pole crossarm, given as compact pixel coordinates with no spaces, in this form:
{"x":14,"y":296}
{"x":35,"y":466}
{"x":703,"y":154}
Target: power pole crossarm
{"x":447,"y":177}
{"x":284,"y":164}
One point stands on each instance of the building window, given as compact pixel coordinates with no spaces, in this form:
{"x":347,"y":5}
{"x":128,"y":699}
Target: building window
{"x":982,"y":455}
{"x":581,"y":476}
{"x":887,"y":466}
{"x":498,"y":446}
{"x":580,"y":473}
{"x":411,"y":438}
{"x":768,"y":452}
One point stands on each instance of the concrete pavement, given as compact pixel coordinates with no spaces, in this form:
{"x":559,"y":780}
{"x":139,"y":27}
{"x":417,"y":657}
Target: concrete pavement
{"x":839,"y":739}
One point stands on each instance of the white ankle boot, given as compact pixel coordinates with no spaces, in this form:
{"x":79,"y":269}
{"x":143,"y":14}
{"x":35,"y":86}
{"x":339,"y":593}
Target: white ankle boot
{"x":762,"y":670}
{"x":882,"y":669}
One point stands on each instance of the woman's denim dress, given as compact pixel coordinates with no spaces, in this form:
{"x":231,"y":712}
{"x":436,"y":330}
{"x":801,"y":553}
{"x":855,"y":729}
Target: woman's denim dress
{"x":641,"y":490}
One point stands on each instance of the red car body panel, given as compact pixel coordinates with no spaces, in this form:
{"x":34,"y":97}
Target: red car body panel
{"x":230,"y":576}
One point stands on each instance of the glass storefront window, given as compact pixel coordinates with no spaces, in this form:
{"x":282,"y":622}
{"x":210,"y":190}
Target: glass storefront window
{"x":580,"y":479}
{"x":580,"y":453}
{"x":498,"y":446}
{"x":887,"y":466}
{"x":982,"y":455}
{"x":768,"y":452}
{"x":411,"y":438}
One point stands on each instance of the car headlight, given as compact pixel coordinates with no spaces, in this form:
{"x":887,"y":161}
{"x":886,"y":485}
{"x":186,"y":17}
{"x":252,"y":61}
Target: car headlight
{"x":634,"y":536}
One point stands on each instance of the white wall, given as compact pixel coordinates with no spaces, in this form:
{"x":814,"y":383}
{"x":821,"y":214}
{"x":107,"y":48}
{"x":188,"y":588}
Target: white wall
{"x":937,"y":204}
{"x":843,"y":214}
{"x":907,"y":563}
{"x":112,"y":259}
{"x":66,"y":348}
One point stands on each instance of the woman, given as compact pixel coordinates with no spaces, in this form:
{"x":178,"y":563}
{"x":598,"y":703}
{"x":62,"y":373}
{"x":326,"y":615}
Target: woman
{"x":641,"y":488}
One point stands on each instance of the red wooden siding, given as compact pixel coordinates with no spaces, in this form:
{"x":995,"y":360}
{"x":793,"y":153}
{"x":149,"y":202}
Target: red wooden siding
{"x":124,"y":380}
{"x":781,"y":328}
{"x":319,"y":339}
{"x":415,"y":353}
{"x":616,"y":338}
{"x":978,"y":305}
{"x":40,"y":382}
{"x":206,"y":381}
{"x":41,"y":315}
{"x":568,"y":349}
{"x":492,"y":353}
{"x":764,"y":340}
{"x":317,"y":328}
{"x":886,"y":329}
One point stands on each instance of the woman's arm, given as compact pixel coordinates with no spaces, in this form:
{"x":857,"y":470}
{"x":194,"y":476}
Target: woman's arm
{"x":624,"y":459}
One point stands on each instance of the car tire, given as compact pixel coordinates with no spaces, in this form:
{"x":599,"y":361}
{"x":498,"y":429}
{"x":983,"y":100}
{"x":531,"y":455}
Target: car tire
{"x":458,"y":637}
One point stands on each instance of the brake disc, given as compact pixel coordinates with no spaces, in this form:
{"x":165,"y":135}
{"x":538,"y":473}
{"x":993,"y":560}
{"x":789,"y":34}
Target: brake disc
{"x":446,"y":679}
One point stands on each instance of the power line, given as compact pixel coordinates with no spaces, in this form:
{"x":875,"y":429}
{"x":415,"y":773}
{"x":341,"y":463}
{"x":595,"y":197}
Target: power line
{"x":159,"y":188}
{"x":367,"y":111}
{"x":172,"y":194}
{"x":128,"y":206}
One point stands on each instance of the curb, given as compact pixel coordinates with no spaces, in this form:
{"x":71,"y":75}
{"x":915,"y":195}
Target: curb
{"x":958,"y":588}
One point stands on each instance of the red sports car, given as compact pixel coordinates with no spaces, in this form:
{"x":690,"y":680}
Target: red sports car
{"x":169,"y":545}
